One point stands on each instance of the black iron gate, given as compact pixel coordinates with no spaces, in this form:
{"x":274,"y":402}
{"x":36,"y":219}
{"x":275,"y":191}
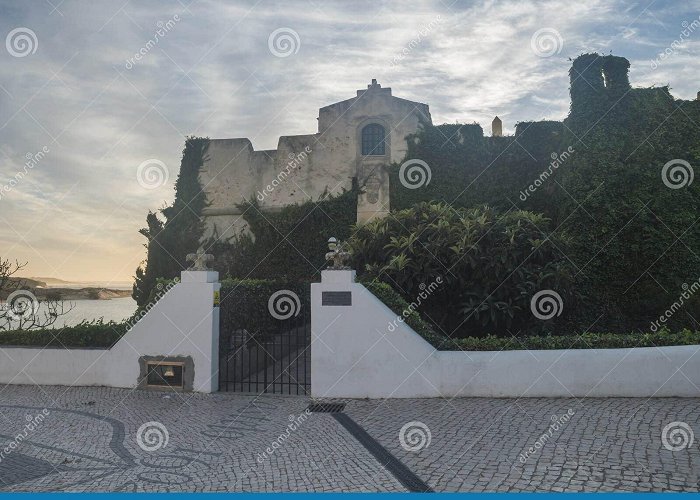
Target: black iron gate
{"x":271,"y":354}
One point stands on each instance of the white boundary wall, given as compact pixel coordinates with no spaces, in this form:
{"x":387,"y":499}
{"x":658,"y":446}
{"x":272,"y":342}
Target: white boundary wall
{"x":184,"y":322}
{"x":355,"y":355}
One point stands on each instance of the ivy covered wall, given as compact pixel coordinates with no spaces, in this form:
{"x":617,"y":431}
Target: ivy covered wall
{"x":597,"y":177}
{"x":290,"y":243}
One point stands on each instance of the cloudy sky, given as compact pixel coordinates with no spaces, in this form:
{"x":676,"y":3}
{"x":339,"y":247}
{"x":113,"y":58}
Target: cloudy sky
{"x":70,"y":86}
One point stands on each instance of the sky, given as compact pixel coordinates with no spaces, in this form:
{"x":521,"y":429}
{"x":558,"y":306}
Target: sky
{"x":91,"y":135}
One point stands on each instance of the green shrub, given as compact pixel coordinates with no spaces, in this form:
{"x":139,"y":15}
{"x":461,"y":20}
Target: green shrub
{"x":634,"y":239}
{"x":487,"y":265}
{"x":86,"y":334}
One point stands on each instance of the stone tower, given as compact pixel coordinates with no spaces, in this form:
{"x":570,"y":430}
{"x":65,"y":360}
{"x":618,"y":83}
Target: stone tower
{"x":496,"y":127}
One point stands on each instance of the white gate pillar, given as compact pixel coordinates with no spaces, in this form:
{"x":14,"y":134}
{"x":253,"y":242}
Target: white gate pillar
{"x":204,"y":287}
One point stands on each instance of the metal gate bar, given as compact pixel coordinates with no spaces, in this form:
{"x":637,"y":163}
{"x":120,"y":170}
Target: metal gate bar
{"x":265,"y":362}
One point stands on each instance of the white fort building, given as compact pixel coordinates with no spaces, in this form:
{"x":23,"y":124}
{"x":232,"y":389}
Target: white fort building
{"x":356,"y":138}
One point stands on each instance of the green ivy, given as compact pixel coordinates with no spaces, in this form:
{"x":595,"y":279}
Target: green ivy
{"x":633,"y":240}
{"x":290,"y":243}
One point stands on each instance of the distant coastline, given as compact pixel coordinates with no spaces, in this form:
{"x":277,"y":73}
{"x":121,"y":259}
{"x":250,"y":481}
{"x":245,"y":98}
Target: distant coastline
{"x":56,"y":289}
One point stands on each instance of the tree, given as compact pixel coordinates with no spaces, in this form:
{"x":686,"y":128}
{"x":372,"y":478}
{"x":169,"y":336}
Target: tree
{"x":21,"y":310}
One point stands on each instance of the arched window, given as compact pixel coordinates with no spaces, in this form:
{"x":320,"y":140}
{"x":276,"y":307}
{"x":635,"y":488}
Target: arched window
{"x":373,"y":139}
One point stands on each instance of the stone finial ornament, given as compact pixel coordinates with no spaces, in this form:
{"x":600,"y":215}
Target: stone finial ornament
{"x":199,"y":260}
{"x":338,"y":254}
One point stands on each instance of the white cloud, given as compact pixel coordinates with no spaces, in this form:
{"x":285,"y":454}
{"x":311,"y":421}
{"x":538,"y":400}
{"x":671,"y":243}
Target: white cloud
{"x":213,"y":75}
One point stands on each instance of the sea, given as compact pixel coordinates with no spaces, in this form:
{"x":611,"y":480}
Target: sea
{"x":107,"y":310}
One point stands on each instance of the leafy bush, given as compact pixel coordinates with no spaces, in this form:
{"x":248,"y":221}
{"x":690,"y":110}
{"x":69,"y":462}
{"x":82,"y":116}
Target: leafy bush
{"x":86,"y":334}
{"x":488,"y":265}
{"x":633,"y":238}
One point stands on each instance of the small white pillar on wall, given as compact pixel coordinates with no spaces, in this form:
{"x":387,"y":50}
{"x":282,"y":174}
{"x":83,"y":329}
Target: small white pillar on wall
{"x":204,"y":286}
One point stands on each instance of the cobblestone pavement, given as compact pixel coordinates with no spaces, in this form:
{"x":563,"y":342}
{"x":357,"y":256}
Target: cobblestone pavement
{"x":87,"y":439}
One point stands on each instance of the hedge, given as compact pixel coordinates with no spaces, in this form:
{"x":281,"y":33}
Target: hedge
{"x":582,"y":341}
{"x":633,"y":238}
{"x":86,"y":334}
{"x":400,"y":307}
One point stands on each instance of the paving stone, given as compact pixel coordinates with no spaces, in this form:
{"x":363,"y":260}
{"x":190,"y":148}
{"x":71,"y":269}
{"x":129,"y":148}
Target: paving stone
{"x":235,"y":442}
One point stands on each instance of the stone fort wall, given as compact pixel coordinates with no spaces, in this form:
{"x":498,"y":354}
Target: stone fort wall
{"x":304,"y":167}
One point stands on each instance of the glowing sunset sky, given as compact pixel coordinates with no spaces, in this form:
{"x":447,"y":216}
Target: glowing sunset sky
{"x":75,"y":93}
